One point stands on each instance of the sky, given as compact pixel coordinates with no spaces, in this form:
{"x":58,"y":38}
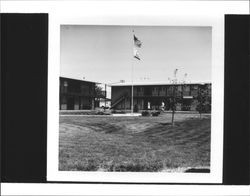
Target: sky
{"x":105,"y":53}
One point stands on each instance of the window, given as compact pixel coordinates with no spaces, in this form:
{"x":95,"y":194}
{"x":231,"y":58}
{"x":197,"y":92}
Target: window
{"x":195,"y":87}
{"x":85,"y":89}
{"x":64,"y":86}
{"x":187,"y":88}
{"x":155,"y":91}
{"x":65,"y":83}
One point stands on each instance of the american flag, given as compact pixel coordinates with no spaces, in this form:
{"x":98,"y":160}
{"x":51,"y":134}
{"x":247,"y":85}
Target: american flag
{"x":137,"y":42}
{"x":137,"y":45}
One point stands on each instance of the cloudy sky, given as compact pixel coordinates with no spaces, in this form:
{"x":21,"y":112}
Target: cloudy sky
{"x":105,"y":53}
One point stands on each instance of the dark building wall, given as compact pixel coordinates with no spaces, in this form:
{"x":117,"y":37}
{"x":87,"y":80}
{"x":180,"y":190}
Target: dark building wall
{"x":154,"y":96}
{"x":121,"y":97}
{"x":76,"y":94}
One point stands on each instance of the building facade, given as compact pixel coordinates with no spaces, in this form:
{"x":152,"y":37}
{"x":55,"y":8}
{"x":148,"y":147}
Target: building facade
{"x":76,"y":94}
{"x":152,"y":96}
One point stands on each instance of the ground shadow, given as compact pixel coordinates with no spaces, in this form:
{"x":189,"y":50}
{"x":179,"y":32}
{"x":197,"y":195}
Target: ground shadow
{"x":197,"y":170}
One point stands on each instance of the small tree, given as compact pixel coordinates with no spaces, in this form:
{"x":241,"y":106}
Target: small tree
{"x":202,"y":99}
{"x":173,"y":106}
{"x":173,"y":97}
{"x":99,"y":93}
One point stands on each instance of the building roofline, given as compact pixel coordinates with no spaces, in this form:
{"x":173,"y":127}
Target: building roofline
{"x":159,"y":84}
{"x":79,"y":80}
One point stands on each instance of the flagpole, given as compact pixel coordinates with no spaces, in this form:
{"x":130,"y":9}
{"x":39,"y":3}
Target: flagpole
{"x":132,"y":93}
{"x":132,"y":86}
{"x":136,"y":43}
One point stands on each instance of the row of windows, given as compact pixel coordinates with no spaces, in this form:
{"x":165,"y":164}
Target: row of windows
{"x":163,"y":91}
{"x":180,"y":88}
{"x":169,"y":89}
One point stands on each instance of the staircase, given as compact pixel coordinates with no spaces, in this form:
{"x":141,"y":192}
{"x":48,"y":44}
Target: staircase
{"x":119,"y":100}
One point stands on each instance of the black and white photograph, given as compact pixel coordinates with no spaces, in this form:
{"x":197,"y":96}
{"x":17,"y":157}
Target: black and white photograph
{"x":135,"y":98}
{"x":125,"y":97}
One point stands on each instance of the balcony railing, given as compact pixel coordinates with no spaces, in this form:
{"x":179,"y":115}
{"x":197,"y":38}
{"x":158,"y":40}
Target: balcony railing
{"x":138,"y":93}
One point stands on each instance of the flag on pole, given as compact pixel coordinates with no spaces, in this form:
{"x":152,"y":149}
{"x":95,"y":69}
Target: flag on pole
{"x":136,"y":54}
{"x":137,"y":44}
{"x":175,"y":72}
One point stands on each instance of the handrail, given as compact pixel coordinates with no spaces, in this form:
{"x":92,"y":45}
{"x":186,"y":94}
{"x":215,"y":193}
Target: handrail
{"x":119,"y":100}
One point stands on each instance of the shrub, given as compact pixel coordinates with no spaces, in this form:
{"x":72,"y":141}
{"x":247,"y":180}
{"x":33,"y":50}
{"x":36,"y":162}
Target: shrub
{"x":145,"y":113}
{"x":100,"y":113}
{"x":155,"y":113}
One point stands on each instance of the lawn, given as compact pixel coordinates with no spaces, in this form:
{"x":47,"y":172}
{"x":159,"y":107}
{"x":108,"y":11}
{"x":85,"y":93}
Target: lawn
{"x":147,"y":144}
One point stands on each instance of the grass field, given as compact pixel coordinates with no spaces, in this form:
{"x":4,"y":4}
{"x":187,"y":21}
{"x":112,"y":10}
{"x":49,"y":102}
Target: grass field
{"x":106,"y":143}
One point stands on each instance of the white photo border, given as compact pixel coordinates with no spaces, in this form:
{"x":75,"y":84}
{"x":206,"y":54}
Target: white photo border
{"x":152,"y":19}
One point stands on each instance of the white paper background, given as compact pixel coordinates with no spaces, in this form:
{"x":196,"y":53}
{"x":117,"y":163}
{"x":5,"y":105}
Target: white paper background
{"x":129,"y":13}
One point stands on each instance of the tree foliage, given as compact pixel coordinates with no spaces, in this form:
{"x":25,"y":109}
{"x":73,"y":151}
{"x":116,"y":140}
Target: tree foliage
{"x":99,"y":92}
{"x":203,"y":103}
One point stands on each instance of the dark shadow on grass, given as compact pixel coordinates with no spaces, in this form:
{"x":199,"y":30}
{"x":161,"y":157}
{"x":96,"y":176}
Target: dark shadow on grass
{"x":197,"y":170}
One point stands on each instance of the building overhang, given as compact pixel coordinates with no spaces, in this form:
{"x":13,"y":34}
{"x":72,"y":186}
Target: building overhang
{"x":159,"y":84}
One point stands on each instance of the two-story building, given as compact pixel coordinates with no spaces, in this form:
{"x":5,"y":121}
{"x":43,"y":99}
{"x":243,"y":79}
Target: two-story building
{"x":76,"y":94}
{"x":156,"y":96}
